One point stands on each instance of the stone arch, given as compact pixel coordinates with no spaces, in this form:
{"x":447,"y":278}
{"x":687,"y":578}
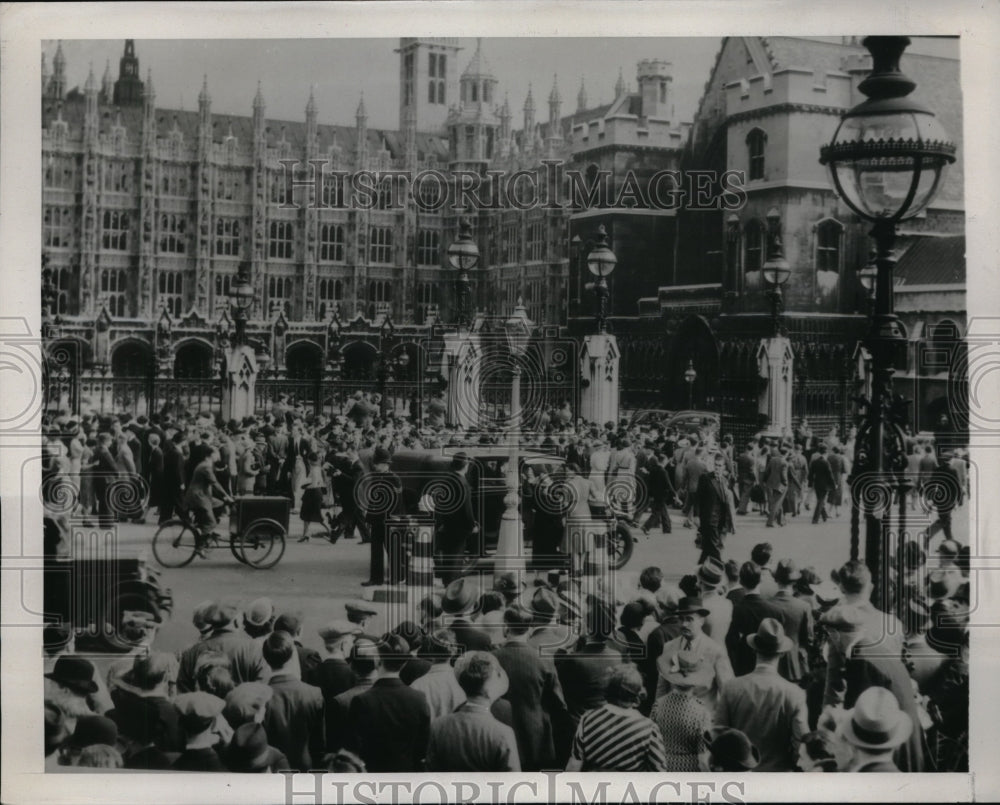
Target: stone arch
{"x":304,"y":360}
{"x":694,"y":341}
{"x":360,"y":360}
{"x":194,"y":358}
{"x":132,"y":357}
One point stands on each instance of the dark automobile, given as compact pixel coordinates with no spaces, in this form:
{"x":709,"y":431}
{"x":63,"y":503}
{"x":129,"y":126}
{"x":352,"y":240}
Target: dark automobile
{"x":695,"y":422}
{"x":425,"y":473}
{"x":650,"y":416}
{"x":90,"y":598}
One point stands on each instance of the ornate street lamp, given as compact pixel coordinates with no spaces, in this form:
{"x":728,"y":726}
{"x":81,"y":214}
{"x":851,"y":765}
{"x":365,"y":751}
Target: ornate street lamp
{"x":510,"y":555}
{"x":690,"y":375}
{"x":775,"y":270}
{"x":886,"y":160}
{"x":463,"y":254}
{"x":601,"y":262}
{"x":241,"y":299}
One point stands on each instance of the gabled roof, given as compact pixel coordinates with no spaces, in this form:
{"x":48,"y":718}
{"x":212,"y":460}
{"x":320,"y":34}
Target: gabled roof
{"x":931,"y":260}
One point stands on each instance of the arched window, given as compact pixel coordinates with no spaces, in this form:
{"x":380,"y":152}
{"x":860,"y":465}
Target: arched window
{"x":756,"y":141}
{"x":828,"y":237}
{"x":427,"y":247}
{"x":753,"y":239}
{"x":331,"y":243}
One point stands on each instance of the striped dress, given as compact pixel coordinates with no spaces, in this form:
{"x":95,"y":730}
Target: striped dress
{"x":612,"y":738}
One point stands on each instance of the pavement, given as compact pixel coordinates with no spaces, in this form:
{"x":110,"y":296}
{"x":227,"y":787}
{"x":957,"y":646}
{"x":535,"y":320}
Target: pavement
{"x":317,"y":578}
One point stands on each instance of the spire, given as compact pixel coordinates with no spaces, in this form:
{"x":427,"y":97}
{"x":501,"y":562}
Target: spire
{"x":258,"y":99}
{"x":59,"y":62}
{"x":529,"y":102}
{"x":149,"y":91}
{"x":620,"y":84}
{"x":45,"y":74}
{"x":91,"y":85}
{"x":311,"y":104}
{"x":581,"y":97}
{"x":554,"y":96}
{"x":361,"y":113}
{"x":106,"y":80}
{"x":204,"y":99}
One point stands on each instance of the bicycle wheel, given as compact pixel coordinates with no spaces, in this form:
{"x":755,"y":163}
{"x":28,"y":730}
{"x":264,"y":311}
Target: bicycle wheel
{"x":262,"y":544}
{"x":174,"y":544}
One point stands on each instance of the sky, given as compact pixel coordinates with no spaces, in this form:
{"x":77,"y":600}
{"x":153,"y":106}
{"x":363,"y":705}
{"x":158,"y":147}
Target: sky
{"x":339,"y":70}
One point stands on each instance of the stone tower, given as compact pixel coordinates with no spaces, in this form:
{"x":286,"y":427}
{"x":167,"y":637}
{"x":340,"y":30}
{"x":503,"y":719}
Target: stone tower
{"x":427,"y":81}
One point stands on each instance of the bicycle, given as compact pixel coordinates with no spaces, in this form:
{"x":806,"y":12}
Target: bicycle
{"x":259,"y":544}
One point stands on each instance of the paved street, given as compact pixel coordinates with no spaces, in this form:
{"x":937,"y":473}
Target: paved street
{"x":317,"y":578}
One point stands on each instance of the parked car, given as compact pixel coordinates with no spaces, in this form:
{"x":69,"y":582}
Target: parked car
{"x":91,"y":597}
{"x":695,"y":422}
{"x":420,"y":471}
{"x":650,"y":416}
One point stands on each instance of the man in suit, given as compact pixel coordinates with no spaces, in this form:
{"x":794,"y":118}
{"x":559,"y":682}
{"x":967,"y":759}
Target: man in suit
{"x":454,"y":527}
{"x":294,"y":717}
{"x":692,"y":471}
{"x":876,"y":728}
{"x":457,"y":604}
{"x":660,"y":493}
{"x":748,"y":613}
{"x":154,"y":470}
{"x":821,"y":480}
{"x":381,"y":494}
{"x":363,"y":665}
{"x":308,"y":659}
{"x":720,"y":608}
{"x":860,"y":663}
{"x":795,"y":618}
{"x":769,"y":710}
{"x":390,"y":722}
{"x":714,"y":510}
{"x":776,"y":484}
{"x":348,"y":474}
{"x":246,"y":663}
{"x":746,"y":475}
{"x":699,"y":647}
{"x":105,"y":472}
{"x":533,"y":691}
{"x":584,"y":674}
{"x":471,"y":738}
{"x":334,"y":674}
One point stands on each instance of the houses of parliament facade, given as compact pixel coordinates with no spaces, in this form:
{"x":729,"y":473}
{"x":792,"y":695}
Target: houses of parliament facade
{"x":148,"y":213}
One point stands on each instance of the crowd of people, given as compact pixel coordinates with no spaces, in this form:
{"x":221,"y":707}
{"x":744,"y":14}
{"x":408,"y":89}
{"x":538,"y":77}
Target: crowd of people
{"x":741,"y":666}
{"x":759,"y":666}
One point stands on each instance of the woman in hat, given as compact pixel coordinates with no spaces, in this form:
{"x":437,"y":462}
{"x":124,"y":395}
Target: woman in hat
{"x":730,"y":751}
{"x":681,"y":718}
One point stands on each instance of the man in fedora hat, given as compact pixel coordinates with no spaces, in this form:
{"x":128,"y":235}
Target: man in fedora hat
{"x":771,"y":711}
{"x":534,"y":691}
{"x":715,"y":510}
{"x":458,"y":604}
{"x":857,"y":662}
{"x":691,"y":615}
{"x":748,"y":614}
{"x":796,"y":619}
{"x":720,"y":609}
{"x":875,"y":729}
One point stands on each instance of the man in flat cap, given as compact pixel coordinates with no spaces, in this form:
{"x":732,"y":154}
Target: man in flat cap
{"x":333,"y":675}
{"x":246,"y":662}
{"x":198,"y":713}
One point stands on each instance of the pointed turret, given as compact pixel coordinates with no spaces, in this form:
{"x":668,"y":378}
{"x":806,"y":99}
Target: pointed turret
{"x":45,"y":75}
{"x":361,"y":126}
{"x":529,"y":118}
{"x":620,"y":84}
{"x":107,"y":87}
{"x":555,"y":107}
{"x":90,"y":119}
{"x":581,"y":97}
{"x":204,"y":99}
{"x":505,"y":120}
{"x":311,"y":120}
{"x":57,"y":84}
{"x":259,"y":133}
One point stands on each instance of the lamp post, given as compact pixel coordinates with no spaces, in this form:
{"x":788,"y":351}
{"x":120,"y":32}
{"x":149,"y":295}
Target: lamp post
{"x":463,"y":254}
{"x":775,"y":270}
{"x":601,"y":262}
{"x":867,"y":277}
{"x":886,"y":161}
{"x":510,"y":553}
{"x":690,"y":375}
{"x":241,"y":299}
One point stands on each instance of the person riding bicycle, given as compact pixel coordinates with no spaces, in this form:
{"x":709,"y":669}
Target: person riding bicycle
{"x":198,"y":499}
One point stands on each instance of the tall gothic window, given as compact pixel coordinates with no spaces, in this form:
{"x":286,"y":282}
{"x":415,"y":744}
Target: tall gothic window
{"x":536,"y":240}
{"x":118,"y":176}
{"x":427,"y":247}
{"x":170,"y":292}
{"x":174,"y":181}
{"x":173,"y":233}
{"x":279,"y":294}
{"x":756,"y":141}
{"x":331,"y":243}
{"x":828,"y":246}
{"x":380,"y":245}
{"x":60,"y":171}
{"x":330,"y":291}
{"x":281,"y":240}
{"x":114,"y":289}
{"x":114,"y":230}
{"x":753,"y":239}
{"x":57,"y":227}
{"x":227,"y":237}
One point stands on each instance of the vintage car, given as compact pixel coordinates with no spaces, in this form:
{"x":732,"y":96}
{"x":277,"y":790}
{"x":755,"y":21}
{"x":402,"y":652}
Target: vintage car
{"x":91,"y":598}
{"x":425,"y":472}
